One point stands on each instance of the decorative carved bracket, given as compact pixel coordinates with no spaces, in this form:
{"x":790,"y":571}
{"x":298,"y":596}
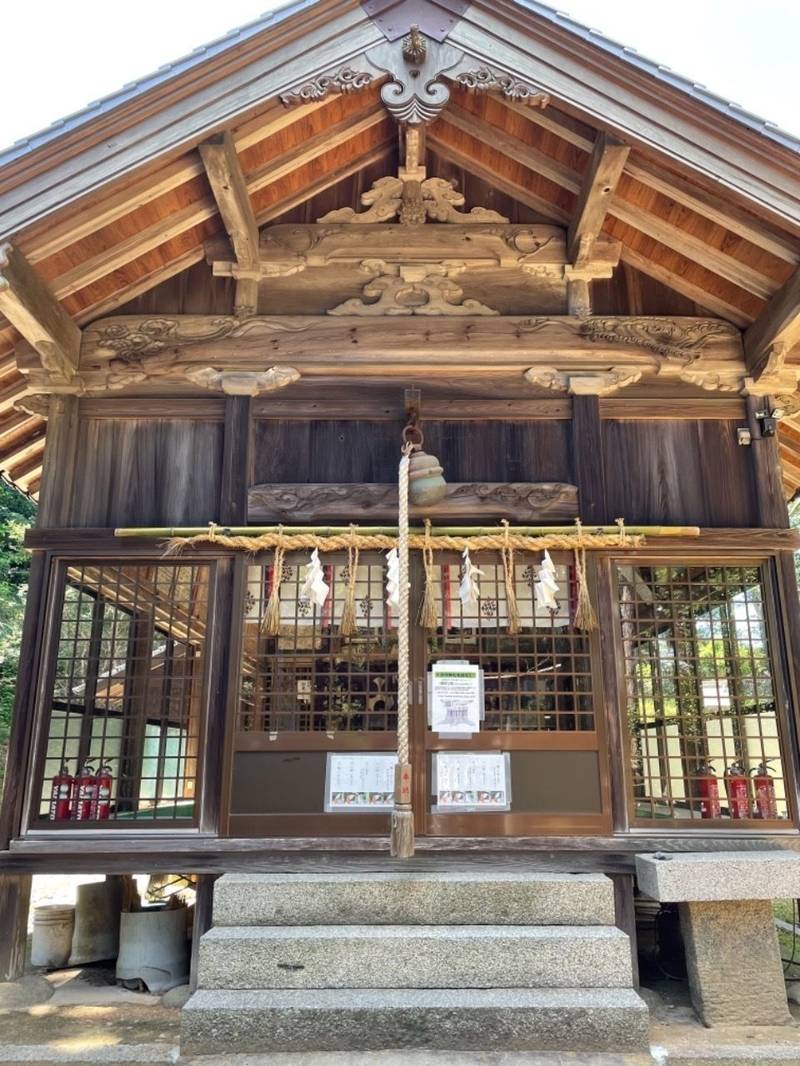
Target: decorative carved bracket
{"x":586,"y":382}
{"x":243,"y":383}
{"x":516,"y":501}
{"x":412,"y":202}
{"x":416,"y":65}
{"x":421,"y":289}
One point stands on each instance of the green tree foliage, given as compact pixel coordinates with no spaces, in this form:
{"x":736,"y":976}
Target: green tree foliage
{"x":16,"y":514}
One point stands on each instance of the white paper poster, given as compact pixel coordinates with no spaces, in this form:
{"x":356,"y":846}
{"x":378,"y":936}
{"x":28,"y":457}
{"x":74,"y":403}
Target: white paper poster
{"x":360,"y":782}
{"x":456,"y":698}
{"x":471,"y":780}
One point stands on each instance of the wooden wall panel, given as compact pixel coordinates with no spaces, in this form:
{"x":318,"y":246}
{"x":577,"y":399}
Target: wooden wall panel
{"x":147,"y":472}
{"x":351,"y":452}
{"x":678,"y":473}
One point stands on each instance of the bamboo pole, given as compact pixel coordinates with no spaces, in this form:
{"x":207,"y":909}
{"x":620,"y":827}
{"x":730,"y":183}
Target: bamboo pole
{"x":169,"y":532}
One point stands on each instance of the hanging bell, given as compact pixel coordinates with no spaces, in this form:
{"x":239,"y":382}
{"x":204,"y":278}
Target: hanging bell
{"x":426,"y":485}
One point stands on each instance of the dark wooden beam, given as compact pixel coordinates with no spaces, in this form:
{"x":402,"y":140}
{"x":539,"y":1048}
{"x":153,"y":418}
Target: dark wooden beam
{"x":596,"y":192}
{"x":775,"y":330}
{"x":771,"y":506}
{"x":587,"y":457}
{"x":30,"y":306}
{"x":15,"y":898}
{"x":59,"y":462}
{"x":203,"y":918}
{"x":236,"y":461}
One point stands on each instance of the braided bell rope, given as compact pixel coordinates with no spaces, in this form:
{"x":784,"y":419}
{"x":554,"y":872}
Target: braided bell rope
{"x":403,"y":651}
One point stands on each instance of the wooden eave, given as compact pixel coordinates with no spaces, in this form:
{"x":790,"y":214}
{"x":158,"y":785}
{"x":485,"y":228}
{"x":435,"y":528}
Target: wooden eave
{"x":705,"y":204}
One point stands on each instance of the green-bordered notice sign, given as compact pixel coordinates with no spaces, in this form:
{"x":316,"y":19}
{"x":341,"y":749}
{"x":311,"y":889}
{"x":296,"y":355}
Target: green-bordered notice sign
{"x":456,"y":698}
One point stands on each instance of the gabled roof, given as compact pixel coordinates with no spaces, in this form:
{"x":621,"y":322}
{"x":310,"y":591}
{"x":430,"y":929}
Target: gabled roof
{"x":113,"y":200}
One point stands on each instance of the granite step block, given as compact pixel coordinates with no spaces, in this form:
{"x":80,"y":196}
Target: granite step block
{"x":397,"y":956}
{"x":475,"y":898}
{"x":227,"y":1022}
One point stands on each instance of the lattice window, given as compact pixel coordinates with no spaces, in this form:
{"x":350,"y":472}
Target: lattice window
{"x":126,"y":694}
{"x":311,"y":678}
{"x":537,"y":679}
{"x":701,"y":698}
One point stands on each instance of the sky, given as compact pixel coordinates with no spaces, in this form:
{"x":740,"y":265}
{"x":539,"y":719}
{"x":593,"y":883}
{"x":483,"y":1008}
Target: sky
{"x":60,"y":56}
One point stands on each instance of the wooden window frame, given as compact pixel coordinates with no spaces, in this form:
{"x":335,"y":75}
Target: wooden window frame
{"x":783,"y":671}
{"x":203,"y":820}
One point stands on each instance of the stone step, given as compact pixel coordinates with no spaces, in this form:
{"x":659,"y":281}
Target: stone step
{"x":218,"y":1021}
{"x":425,"y":956}
{"x":440,"y":898}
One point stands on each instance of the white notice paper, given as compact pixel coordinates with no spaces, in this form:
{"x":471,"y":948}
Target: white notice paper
{"x":456,"y":696}
{"x":362,"y":782}
{"x":471,"y":780}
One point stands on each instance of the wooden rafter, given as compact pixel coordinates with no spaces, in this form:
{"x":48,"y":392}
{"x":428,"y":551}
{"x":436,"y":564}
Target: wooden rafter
{"x":30,"y":306}
{"x":595,"y":195}
{"x":230,"y":191}
{"x":42,"y":242}
{"x":670,"y":184}
{"x":768,"y":340}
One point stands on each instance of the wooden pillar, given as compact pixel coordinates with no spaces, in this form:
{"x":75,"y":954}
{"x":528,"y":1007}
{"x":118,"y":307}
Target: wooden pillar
{"x":236,"y":461}
{"x":58,"y":470}
{"x":15,"y":898}
{"x":587,"y":459}
{"x":771,"y":509}
{"x":625,"y":917}
{"x":203,"y":917}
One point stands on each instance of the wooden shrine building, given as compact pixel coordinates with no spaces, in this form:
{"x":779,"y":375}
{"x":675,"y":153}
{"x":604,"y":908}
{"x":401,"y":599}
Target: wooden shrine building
{"x":225,"y":292}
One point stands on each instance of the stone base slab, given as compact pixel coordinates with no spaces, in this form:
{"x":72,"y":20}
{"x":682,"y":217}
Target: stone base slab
{"x":513,"y":1019}
{"x":733,"y":962}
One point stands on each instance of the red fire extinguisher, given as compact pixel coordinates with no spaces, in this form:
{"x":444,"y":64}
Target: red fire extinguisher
{"x":60,"y":795}
{"x":708,"y":789}
{"x":105,"y":783}
{"x":764,"y":788}
{"x":84,"y":795}
{"x":737,"y":785}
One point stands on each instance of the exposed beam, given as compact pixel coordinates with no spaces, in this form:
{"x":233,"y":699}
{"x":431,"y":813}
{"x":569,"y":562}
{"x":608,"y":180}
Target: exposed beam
{"x":230,"y":191}
{"x":686,"y":288}
{"x":669,"y":184}
{"x":46,"y":241}
{"x":548,"y":211}
{"x":775,"y":330}
{"x":706,"y":255}
{"x":118,"y":255}
{"x":30,"y":306}
{"x":494,"y":137}
{"x":597,"y":188}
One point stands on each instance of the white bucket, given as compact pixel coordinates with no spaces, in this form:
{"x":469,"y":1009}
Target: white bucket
{"x":52,"y":936}
{"x":153,"y":948}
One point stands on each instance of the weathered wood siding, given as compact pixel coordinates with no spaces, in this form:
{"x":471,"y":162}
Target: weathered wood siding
{"x":687,"y":472}
{"x":140,"y":472}
{"x":350,"y":451}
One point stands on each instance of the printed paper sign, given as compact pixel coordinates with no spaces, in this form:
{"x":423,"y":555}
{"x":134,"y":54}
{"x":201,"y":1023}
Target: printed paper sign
{"x":471,"y":780}
{"x":456,"y":696}
{"x":360,"y":782}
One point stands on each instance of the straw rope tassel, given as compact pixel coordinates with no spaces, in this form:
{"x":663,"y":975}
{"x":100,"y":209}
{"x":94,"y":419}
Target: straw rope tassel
{"x":585,"y":616}
{"x":272,"y":618}
{"x":402,"y":838}
{"x":348,"y":622}
{"x":512,"y":607}
{"x":427,"y":615}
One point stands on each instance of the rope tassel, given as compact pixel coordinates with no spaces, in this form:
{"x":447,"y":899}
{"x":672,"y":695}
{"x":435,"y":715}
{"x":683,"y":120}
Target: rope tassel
{"x":272,"y":617}
{"x":512,"y":607}
{"x":585,"y":616}
{"x":427,"y":616}
{"x":347,"y":624}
